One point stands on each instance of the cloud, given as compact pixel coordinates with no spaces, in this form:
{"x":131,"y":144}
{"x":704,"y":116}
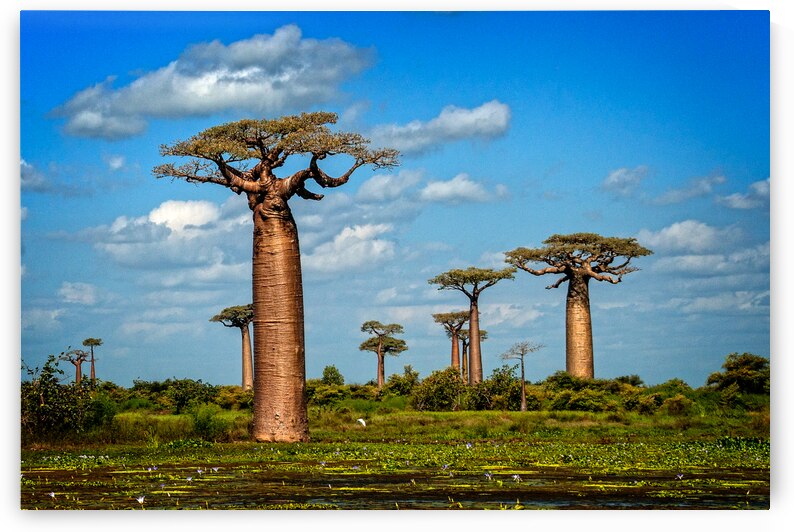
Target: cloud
{"x":42,"y":319}
{"x":79,"y":293}
{"x":264,"y":74}
{"x":743,"y":301}
{"x":696,"y":188}
{"x":354,"y":248}
{"x":757,"y":196}
{"x":459,"y":189}
{"x":115,"y":162}
{"x":32,"y":179}
{"x":487,"y":121}
{"x":507,"y":313}
{"x":387,"y":187}
{"x":741,"y":261}
{"x":689,"y":235}
{"x":624,"y":181}
{"x":176,"y":215}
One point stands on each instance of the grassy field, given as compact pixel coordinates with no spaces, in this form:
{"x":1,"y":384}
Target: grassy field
{"x":404,"y":459}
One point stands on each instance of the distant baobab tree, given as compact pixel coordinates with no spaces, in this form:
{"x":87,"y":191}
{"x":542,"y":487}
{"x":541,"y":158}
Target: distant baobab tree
{"x":471,"y":282}
{"x":578,"y":258}
{"x":464,"y":335}
{"x":243,"y":156}
{"x":519,"y":351}
{"x":92,"y":343}
{"x":382,"y":343}
{"x":240,"y":316}
{"x":452,"y":323}
{"x":76,"y":357}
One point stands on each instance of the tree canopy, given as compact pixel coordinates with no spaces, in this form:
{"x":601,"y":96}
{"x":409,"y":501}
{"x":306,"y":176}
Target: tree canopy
{"x":225,"y":152}
{"x":237,"y":316}
{"x":471,"y":281}
{"x":584,"y":253}
{"x":749,"y":372}
{"x":388,"y":345}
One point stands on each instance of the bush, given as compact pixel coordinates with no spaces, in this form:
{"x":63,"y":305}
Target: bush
{"x":439,"y":391}
{"x":234,"y":398}
{"x":207,"y":423}
{"x":678,"y":405}
{"x":588,"y":400}
{"x":749,"y":372}
{"x":402,"y":384}
{"x":649,"y":404}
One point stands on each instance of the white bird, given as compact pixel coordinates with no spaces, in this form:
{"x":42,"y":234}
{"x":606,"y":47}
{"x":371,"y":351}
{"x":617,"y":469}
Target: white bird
{"x":363,"y":423}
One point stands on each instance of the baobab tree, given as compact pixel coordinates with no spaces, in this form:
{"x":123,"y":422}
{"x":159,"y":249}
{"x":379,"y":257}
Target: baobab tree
{"x":382,"y":343}
{"x":92,"y":343}
{"x":244,"y":156}
{"x":76,"y":357}
{"x":240,"y":316}
{"x":519,"y":351}
{"x":452,"y":323}
{"x":472,"y":281}
{"x":464,"y":335}
{"x":578,"y":258}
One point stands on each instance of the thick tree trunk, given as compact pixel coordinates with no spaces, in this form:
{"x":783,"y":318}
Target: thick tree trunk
{"x":578,"y":329}
{"x":381,"y":370}
{"x":475,"y":356}
{"x":455,"y":356}
{"x":279,"y":361}
{"x":78,"y":372}
{"x":248,"y":363}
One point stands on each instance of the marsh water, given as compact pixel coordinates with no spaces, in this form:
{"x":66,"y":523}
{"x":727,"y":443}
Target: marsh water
{"x":358,"y":485}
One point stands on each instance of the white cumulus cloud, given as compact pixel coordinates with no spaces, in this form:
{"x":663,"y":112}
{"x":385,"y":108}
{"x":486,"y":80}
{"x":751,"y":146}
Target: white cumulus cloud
{"x":355,"y":248}
{"x":687,"y":236}
{"x":624,"y":181}
{"x":387,"y":187}
{"x":487,"y":121}
{"x":176,"y":215}
{"x":460,"y":189}
{"x":695,"y":188}
{"x":264,"y":74}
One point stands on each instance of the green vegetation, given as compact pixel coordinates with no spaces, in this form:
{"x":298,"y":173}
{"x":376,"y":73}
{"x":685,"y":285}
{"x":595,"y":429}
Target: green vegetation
{"x":424,"y":443}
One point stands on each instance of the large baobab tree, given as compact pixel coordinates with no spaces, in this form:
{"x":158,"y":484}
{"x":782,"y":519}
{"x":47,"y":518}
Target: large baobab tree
{"x":240,"y":316}
{"x":452,"y":323}
{"x":519,"y":351}
{"x":578,"y":258}
{"x":244,"y":157}
{"x":76,"y":357}
{"x":91,"y":343}
{"x":382,"y":343}
{"x":472,"y":281}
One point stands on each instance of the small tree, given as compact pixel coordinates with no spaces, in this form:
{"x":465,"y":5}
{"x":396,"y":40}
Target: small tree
{"x":92,"y":343}
{"x":240,"y":316}
{"x":519,"y":351}
{"x":383,"y":346}
{"x":750,"y":373}
{"x":76,"y":357}
{"x":332,"y":376}
{"x":471,"y":282}
{"x":578,"y":258}
{"x":452,"y":323}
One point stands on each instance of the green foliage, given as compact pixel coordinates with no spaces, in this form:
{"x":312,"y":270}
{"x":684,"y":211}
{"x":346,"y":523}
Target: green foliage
{"x":402,"y":384}
{"x":633,"y":380}
{"x":332,"y":376}
{"x":749,"y":372}
{"x":237,"y":316}
{"x":678,"y":405}
{"x":471,"y":281}
{"x":500,"y":391}
{"x":234,"y":398}
{"x":324,"y":395}
{"x":439,"y":391}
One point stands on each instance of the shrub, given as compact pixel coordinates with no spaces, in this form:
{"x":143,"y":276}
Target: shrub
{"x":234,"y":398}
{"x":439,"y":391}
{"x":649,"y":404}
{"x":749,"y":372}
{"x":402,"y":384}
{"x":562,"y":380}
{"x":678,"y":405}
{"x":633,"y":380}
{"x":207,"y":423}
{"x":588,"y":400}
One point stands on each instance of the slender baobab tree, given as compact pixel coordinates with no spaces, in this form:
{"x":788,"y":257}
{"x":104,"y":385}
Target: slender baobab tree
{"x":464,"y":336}
{"x":452,"y":323}
{"x":578,"y":258}
{"x":244,"y":156}
{"x":519,"y":351}
{"x":240,"y":316}
{"x":76,"y":357}
{"x":472,"y":281}
{"x":92,"y":343}
{"x":382,"y":343}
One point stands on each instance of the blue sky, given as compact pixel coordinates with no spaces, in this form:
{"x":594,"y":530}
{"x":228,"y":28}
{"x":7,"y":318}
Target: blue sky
{"x":513,"y":127}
